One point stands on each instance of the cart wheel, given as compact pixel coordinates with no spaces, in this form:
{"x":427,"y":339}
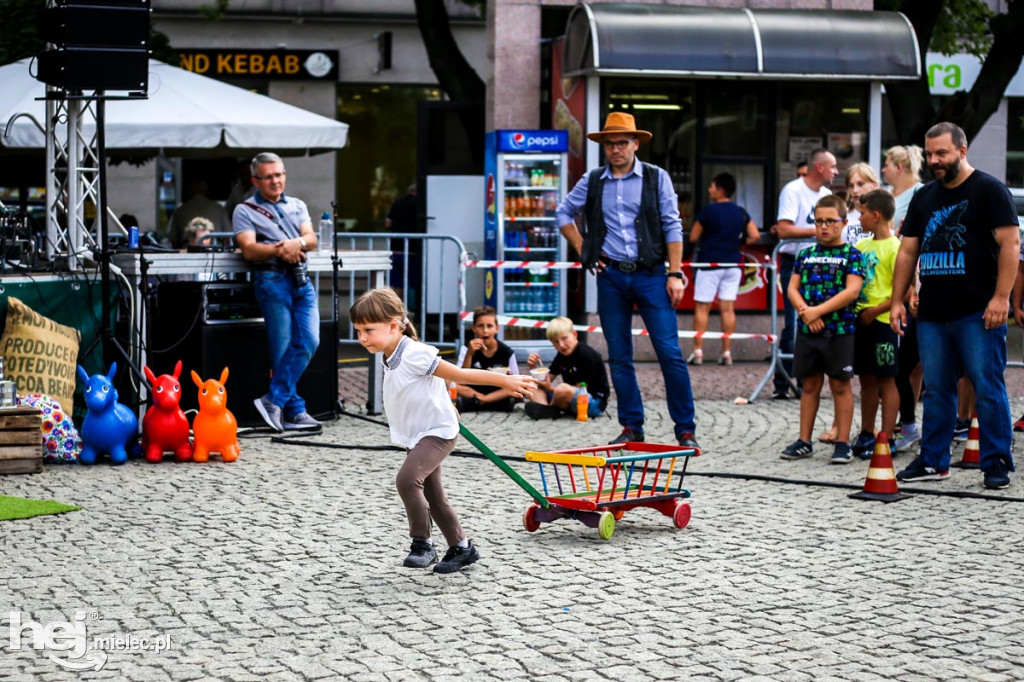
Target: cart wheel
{"x":530,"y":522}
{"x":618,"y":514}
{"x":681,"y":516}
{"x":606,"y":525}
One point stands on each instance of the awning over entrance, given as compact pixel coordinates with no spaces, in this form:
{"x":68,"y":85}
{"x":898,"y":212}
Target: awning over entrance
{"x":670,"y":40}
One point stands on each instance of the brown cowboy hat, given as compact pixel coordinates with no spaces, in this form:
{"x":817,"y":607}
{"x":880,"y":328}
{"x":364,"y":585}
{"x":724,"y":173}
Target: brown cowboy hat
{"x":619,"y":123}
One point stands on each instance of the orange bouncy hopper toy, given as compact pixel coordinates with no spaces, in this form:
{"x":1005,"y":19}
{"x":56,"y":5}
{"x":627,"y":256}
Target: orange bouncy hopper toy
{"x":215,"y":427}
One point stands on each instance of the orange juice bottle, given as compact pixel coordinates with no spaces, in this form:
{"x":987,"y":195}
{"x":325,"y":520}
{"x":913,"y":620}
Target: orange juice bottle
{"x":582,"y":403}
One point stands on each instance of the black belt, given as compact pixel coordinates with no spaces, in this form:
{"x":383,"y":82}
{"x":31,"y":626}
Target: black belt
{"x":270,"y":266}
{"x":626,"y":266}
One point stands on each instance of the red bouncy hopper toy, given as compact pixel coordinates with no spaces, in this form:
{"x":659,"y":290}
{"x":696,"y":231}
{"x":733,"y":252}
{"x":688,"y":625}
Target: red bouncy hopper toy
{"x":165,"y":427}
{"x":215,"y":427}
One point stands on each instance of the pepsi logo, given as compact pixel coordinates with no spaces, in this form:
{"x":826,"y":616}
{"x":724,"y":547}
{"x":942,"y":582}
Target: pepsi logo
{"x":543,"y":141}
{"x":518,"y":140}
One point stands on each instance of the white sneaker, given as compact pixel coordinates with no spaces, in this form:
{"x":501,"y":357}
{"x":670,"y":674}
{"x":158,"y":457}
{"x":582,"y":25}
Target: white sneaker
{"x":696,"y":358}
{"x":725,"y":359}
{"x":907,"y":436}
{"x":301,"y":422}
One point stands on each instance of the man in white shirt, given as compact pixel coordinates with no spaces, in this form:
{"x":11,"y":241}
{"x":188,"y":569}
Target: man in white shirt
{"x":796,"y":221}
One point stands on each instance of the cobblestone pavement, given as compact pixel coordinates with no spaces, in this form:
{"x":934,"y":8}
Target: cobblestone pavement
{"x":285,"y":565}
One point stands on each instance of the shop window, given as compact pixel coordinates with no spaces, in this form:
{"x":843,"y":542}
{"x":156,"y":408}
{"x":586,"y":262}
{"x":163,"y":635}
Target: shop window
{"x":736,"y":120}
{"x":667,"y":110}
{"x":380,"y":160}
{"x":830,"y":115}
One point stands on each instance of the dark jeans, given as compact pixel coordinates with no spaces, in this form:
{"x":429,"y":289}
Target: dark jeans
{"x":982,"y":355}
{"x":788,"y":335}
{"x":909,"y":357}
{"x":617,"y":293}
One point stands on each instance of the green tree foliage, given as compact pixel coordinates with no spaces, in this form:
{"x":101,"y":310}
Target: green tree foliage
{"x":963,"y":27}
{"x":953,"y":27}
{"x":19,"y":33}
{"x":19,"y":29}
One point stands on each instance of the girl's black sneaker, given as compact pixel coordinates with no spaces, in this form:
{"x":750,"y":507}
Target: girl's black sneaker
{"x":421,"y":555}
{"x":456,"y":558}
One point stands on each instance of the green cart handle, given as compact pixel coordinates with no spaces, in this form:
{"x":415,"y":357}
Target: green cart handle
{"x":500,"y":463}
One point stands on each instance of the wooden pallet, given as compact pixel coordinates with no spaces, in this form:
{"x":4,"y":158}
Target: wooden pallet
{"x":21,"y":443}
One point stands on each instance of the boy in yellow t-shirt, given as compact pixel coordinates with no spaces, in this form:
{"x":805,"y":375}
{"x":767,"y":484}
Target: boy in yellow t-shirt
{"x":875,"y":343}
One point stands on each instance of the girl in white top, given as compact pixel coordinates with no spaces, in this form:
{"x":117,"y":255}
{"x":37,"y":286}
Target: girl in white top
{"x":423,"y":420}
{"x":902,"y":170}
{"x":860,"y":179}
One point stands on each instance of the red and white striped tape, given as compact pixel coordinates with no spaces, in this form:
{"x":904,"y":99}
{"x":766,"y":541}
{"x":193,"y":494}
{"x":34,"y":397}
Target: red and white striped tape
{"x":569,"y":265}
{"x":504,"y":321}
{"x":506,"y":264}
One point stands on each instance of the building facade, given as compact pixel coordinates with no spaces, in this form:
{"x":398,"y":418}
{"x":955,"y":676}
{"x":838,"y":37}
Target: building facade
{"x":377,"y":76}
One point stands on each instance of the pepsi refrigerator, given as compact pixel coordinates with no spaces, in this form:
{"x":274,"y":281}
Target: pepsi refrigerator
{"x":525,"y":181}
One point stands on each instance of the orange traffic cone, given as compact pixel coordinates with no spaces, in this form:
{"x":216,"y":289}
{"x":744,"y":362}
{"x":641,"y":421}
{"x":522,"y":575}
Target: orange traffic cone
{"x":971,"y":458}
{"x":881,"y":481}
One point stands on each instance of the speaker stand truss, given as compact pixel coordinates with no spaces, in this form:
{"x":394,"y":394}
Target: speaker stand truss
{"x":73,"y":177}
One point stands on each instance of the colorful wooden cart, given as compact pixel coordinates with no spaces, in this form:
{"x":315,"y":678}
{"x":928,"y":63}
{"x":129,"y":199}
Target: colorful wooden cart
{"x":597,"y":485}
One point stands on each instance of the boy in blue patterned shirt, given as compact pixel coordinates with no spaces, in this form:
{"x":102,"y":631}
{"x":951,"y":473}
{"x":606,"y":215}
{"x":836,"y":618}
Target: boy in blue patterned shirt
{"x":823,"y":289}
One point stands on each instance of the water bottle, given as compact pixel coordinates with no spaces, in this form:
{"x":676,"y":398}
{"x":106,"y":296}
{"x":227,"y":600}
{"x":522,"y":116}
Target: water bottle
{"x":582,"y":403}
{"x":326,"y":237}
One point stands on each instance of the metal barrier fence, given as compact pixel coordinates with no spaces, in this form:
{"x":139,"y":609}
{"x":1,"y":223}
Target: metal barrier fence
{"x":426,"y":296}
{"x":772,"y":337}
{"x":776,"y":287}
{"x":432,"y":278}
{"x":424,"y":284}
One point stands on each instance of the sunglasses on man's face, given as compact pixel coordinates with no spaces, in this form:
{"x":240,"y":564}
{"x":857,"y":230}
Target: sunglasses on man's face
{"x":616,"y":144}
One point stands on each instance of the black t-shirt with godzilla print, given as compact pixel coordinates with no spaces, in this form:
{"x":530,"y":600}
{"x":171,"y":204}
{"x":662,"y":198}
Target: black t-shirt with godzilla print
{"x":959,"y":254}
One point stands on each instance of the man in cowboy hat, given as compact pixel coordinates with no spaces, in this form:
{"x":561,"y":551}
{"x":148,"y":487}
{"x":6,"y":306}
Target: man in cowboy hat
{"x":631,"y":227}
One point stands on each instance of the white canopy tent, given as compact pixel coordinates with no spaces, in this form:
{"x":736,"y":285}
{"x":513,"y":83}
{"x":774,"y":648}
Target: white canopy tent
{"x":185,"y":115}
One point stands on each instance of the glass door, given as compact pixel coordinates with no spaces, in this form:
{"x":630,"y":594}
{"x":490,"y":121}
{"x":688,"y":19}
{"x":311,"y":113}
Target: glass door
{"x":531,"y":189}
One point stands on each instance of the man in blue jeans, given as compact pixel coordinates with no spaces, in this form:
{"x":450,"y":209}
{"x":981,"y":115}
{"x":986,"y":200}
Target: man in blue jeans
{"x":963,"y":228}
{"x":274,"y":231}
{"x":631,"y":226}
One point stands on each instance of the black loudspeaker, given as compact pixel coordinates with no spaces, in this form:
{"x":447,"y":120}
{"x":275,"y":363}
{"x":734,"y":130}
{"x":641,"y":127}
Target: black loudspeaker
{"x":92,"y":68}
{"x":96,"y":45}
{"x":241,"y":346}
{"x":113,"y":24}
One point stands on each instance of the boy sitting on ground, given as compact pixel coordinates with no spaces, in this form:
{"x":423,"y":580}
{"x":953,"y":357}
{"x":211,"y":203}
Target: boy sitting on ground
{"x":876,"y":344}
{"x":576,"y":363}
{"x":823,"y":289}
{"x":485,"y":351}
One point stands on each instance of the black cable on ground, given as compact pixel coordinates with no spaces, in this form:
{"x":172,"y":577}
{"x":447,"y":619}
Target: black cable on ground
{"x":472,"y":454}
{"x":354,"y":415}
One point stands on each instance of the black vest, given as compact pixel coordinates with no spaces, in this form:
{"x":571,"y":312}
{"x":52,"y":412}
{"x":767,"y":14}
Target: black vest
{"x":650,"y":238}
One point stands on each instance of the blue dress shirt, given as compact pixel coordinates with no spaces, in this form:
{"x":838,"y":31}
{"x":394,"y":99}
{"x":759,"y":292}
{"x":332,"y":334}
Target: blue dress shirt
{"x":621,"y":204}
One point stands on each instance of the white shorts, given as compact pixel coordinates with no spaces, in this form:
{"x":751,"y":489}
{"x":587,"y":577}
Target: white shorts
{"x":725,"y":282}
